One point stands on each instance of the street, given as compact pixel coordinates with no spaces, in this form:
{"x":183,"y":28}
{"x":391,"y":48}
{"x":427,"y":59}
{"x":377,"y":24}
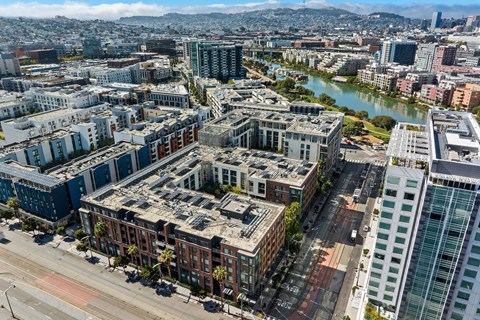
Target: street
{"x":54,"y":284}
{"x":312,"y":289}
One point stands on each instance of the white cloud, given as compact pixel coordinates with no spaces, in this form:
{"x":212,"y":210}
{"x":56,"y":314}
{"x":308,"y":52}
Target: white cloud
{"x":111,"y":11}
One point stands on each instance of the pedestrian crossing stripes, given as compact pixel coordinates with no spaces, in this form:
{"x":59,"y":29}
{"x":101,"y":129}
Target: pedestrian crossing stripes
{"x":377,"y":163}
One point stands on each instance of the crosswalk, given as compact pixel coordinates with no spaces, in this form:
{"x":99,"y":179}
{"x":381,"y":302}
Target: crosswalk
{"x":379,"y":163}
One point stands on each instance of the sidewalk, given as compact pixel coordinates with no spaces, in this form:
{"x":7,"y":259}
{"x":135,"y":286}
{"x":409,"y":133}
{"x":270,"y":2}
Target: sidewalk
{"x":358,"y":301}
{"x":181,"y":292}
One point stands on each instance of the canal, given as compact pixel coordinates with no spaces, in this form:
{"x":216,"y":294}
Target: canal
{"x":360,"y":99}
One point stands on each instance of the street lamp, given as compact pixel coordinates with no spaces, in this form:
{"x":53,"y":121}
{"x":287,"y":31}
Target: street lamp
{"x":240,"y":297}
{"x":8,"y":300}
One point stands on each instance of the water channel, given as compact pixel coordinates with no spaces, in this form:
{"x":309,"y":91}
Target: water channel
{"x":361,"y":99}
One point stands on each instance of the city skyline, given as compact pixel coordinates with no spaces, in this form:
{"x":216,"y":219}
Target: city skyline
{"x":113,"y":9}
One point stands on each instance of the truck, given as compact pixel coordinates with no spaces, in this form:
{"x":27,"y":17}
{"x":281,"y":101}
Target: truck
{"x":353,"y":236}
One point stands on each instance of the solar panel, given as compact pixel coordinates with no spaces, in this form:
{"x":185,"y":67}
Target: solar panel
{"x":195,"y":198}
{"x":174,"y":194}
{"x":204,"y":202}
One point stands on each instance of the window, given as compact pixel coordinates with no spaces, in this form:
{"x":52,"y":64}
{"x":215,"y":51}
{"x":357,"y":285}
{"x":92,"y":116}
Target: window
{"x":470,"y":273}
{"x":375,"y":275}
{"x":397,"y":250}
{"x":374,"y":284}
{"x":388,"y":204}
{"x":379,"y":256}
{"x":378,"y":266}
{"x":390,"y":192}
{"x":463,"y":295}
{"x":411,"y":184}
{"x":407,"y":207}
{"x":381,"y":246}
{"x":382,"y":236}
{"x":396,"y":260}
{"x":373,"y":293}
{"x":405,"y":219}
{"x":389,"y":288}
{"x":456,"y":316}
{"x":399,"y":240}
{"x":460,"y":306}
{"x":387,"y":297}
{"x":384,"y":225}
{"x":393,"y":270}
{"x":402,"y":230}
{"x":476,"y":249}
{"x":477,"y":236}
{"x":392,"y":279}
{"x":409,"y":196}
{"x":386,"y":215}
{"x":473,"y":262}
{"x":466,"y":284}
{"x":393,"y":180}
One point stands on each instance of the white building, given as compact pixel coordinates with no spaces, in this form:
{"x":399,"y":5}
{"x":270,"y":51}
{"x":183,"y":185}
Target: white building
{"x":57,"y":98}
{"x":13,"y":105}
{"x":172,"y":95}
{"x":9,"y":65}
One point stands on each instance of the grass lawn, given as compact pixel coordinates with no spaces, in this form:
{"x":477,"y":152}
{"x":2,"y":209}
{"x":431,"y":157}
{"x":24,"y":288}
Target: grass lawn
{"x":377,"y":131}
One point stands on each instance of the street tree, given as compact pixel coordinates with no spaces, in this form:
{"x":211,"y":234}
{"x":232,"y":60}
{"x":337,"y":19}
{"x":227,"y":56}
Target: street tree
{"x":220,"y":274}
{"x":82,"y":247}
{"x":166,"y":257}
{"x":292,"y":224}
{"x":14,"y":204}
{"x":101,"y":232}
{"x":133,"y":251}
{"x":121,"y":261}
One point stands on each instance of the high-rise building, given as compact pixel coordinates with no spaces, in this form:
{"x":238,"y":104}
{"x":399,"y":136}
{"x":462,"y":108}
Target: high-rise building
{"x":213,"y":59}
{"x":436,"y":20}
{"x":9,"y":65}
{"x":402,"y":52}
{"x":427,"y":251}
{"x":444,"y":56}
{"x":161,"y":46}
{"x":92,"y":47}
{"x":425,"y":54}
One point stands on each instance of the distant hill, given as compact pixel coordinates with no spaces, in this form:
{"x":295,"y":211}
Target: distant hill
{"x":386,"y":15}
{"x":270,"y":17}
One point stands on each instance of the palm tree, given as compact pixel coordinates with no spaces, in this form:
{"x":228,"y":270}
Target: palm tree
{"x":165,"y":257}
{"x":14,"y":204}
{"x":133,"y":251}
{"x":101,"y":232}
{"x":220,"y":274}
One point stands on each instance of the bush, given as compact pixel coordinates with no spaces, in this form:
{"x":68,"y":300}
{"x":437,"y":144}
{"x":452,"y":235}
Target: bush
{"x":6,"y":214}
{"x":376,"y":211}
{"x":61,"y":231}
{"x":79,"y":234}
{"x":366,"y":251}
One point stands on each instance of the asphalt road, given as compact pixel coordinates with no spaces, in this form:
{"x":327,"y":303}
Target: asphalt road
{"x":77,"y":288}
{"x":311,"y":290}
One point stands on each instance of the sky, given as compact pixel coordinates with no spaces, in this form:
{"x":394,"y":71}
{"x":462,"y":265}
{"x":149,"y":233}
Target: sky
{"x":114,"y":9}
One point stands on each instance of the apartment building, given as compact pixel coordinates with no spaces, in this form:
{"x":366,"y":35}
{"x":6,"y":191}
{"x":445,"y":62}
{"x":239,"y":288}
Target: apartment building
{"x":109,"y":165}
{"x":25,"y":128}
{"x":155,"y":71}
{"x":9,"y":66}
{"x":13,"y":105}
{"x":158,"y":208}
{"x":57,"y":146}
{"x":436,"y":94}
{"x":171,"y":95}
{"x":402,"y":52}
{"x":467,"y":96}
{"x":427,"y":254}
{"x":166,"y":132}
{"x":291,"y":134}
{"x":58,"y":98}
{"x":214,"y":59}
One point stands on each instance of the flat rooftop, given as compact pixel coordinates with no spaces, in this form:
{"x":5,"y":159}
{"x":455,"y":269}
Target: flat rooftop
{"x":170,"y":88}
{"x":28,"y":175}
{"x":76,"y":167}
{"x":152,"y":198}
{"x":410,"y":143}
{"x":20,"y":146}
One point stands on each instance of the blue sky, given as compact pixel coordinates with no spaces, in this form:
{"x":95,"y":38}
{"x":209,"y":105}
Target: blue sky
{"x":114,"y":9}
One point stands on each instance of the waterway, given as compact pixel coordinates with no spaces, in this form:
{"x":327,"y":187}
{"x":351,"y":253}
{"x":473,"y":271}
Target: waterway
{"x":360,"y":99}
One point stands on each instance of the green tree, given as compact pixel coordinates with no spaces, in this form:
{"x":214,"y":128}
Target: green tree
{"x":411,"y":99}
{"x":133,"y":251}
{"x":121,"y":261}
{"x":362,"y":114}
{"x":101,"y":232}
{"x":60,"y":230}
{"x":79,"y":234}
{"x":237,"y":190}
{"x":82,"y":247}
{"x":14,"y":204}
{"x":385,"y":122}
{"x":292,"y":224}
{"x":220,"y":274}
{"x":166,"y":257}
{"x":326,"y":187}
{"x":326,"y":99}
